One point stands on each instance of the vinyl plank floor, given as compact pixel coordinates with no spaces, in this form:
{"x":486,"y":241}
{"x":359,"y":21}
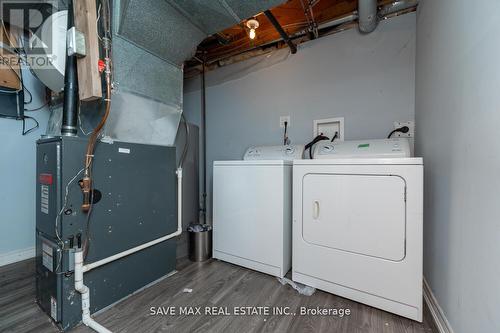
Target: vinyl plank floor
{"x":215,"y":284}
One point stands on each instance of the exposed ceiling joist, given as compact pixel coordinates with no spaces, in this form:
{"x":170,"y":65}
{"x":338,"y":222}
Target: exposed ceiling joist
{"x":300,"y":20}
{"x":279,"y":29}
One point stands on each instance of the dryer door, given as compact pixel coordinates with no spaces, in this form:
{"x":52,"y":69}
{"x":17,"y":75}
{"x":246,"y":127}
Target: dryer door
{"x":359,"y":214}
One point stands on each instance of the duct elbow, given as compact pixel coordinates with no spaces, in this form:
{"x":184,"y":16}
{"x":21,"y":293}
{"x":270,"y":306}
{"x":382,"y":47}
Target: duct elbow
{"x":367,"y":12}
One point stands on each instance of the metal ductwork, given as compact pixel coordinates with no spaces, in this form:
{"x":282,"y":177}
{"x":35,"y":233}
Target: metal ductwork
{"x":368,"y":18}
{"x":151,"y":41}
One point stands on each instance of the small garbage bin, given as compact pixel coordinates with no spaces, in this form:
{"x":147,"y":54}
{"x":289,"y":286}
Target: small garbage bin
{"x":200,"y":242}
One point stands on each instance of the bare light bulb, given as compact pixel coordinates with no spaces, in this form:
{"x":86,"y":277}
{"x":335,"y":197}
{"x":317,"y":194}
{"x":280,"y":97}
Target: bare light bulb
{"x":252,"y":24}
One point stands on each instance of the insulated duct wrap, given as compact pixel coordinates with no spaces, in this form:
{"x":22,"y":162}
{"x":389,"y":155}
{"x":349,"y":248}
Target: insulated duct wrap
{"x":151,"y":40}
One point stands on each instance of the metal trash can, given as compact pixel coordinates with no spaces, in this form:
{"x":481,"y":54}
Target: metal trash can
{"x":200,"y":242}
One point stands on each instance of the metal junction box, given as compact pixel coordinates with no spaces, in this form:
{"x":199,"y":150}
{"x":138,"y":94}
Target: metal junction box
{"x":135,"y":202}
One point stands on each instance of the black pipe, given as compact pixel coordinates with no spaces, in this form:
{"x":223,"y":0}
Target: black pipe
{"x":204,"y":140}
{"x":280,"y":30}
{"x":70,"y":103}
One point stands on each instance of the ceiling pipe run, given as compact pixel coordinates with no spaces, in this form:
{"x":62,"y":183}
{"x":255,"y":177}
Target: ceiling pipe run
{"x":368,"y":18}
{"x":279,"y":29}
{"x":396,"y":6}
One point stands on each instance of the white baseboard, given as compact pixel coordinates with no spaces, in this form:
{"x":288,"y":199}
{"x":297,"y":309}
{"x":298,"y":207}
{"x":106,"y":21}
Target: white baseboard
{"x":442,"y":324}
{"x":15,"y":256}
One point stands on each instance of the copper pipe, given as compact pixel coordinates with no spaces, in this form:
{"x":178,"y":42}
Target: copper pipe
{"x":86,"y":183}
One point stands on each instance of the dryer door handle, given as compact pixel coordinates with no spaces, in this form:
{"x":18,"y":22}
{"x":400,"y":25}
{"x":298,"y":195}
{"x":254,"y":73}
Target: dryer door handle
{"x":316,"y":209}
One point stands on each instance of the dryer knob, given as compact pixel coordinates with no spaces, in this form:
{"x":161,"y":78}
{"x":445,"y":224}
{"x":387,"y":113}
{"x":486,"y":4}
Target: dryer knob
{"x":327,"y":148}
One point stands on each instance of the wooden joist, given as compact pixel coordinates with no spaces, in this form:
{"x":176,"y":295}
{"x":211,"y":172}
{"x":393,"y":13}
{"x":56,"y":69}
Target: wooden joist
{"x":89,"y":78}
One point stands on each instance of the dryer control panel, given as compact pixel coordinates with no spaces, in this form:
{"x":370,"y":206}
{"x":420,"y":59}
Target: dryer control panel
{"x":388,"y":148}
{"x":286,"y":153}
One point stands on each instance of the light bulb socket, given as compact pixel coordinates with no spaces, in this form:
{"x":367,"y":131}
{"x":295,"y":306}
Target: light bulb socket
{"x":252,"y":24}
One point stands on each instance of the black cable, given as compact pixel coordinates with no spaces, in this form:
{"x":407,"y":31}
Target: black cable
{"x":29,"y":93}
{"x":317,"y":139}
{"x":403,"y":129}
{"x":26,"y":132}
{"x":285,"y":135}
{"x":38,"y":108}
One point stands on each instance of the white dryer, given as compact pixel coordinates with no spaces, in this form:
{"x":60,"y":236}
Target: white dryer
{"x":252,"y":209}
{"x":357,"y":231}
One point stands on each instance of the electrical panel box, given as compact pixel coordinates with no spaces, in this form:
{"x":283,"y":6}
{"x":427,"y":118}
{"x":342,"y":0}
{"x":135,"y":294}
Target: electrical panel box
{"x":134,"y":201}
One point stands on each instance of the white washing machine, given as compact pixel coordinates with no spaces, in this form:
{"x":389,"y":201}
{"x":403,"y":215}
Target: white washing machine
{"x":252,"y":209}
{"x":357,"y":223}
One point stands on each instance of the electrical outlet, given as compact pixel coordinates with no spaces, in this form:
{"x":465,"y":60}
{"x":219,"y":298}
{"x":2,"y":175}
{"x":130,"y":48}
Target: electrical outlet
{"x":411,"y":132}
{"x":284,"y":119}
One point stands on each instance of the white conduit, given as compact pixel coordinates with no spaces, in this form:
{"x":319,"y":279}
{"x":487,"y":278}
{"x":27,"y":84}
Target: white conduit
{"x":80,"y":268}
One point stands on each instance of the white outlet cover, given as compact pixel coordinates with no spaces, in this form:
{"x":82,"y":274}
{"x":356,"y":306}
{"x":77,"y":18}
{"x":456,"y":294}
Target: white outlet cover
{"x":411,"y":132}
{"x":282,"y":121}
{"x":328,"y":127}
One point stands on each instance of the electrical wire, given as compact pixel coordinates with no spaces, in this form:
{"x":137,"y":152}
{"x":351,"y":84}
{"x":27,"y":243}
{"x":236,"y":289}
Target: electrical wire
{"x":311,"y":144}
{"x":80,"y":120}
{"x":65,"y":202}
{"x":38,"y":108}
{"x":26,"y":132}
{"x":403,"y":129}
{"x":286,"y":140}
{"x":29,"y":92}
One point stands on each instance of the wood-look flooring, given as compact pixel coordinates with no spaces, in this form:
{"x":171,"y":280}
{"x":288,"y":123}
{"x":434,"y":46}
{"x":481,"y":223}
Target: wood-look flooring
{"x":213,"y":283}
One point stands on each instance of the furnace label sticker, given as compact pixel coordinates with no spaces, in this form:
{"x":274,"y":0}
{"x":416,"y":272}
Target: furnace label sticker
{"x":53,"y":308}
{"x":47,"y":257}
{"x":44,"y":199}
{"x":124,"y":150}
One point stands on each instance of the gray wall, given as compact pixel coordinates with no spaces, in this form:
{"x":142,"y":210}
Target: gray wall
{"x":457,"y":112}
{"x":368,"y":79}
{"x":17,"y":175}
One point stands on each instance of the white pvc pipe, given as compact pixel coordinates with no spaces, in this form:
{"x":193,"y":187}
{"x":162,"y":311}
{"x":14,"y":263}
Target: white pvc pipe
{"x":80,"y":268}
{"x":85,"y":293}
{"x":114,"y":257}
